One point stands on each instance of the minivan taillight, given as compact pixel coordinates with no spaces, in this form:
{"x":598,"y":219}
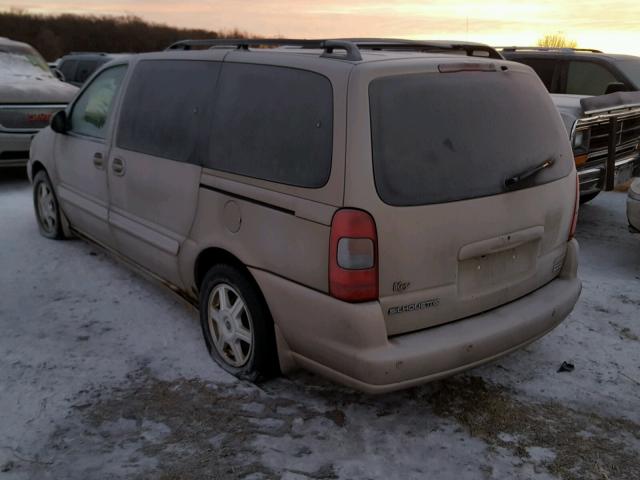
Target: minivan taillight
{"x":574,"y":221}
{"x":353,"y":256}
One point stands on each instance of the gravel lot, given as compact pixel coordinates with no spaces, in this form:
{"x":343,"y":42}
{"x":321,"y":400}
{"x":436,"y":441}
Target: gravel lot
{"x":104,"y":374}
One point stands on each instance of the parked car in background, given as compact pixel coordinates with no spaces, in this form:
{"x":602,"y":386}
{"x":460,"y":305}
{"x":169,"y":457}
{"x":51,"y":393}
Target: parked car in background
{"x":53,"y":66}
{"x":431,"y":235}
{"x":633,"y":206}
{"x":77,"y":67}
{"x":29,"y":96}
{"x":605,"y":135}
{"x":579,"y":71}
{"x":603,"y":123}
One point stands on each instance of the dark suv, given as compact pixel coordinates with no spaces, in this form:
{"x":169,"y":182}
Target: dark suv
{"x":579,"y":71}
{"x":77,"y":67}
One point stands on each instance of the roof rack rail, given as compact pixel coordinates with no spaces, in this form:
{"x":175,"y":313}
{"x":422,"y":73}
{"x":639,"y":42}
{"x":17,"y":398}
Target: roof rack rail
{"x":426,"y":46}
{"x":550,"y":49}
{"x":352,"y":46}
{"x":329,"y":46}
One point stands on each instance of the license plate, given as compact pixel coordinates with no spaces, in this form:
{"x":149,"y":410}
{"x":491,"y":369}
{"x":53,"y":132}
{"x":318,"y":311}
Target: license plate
{"x":495,"y":271}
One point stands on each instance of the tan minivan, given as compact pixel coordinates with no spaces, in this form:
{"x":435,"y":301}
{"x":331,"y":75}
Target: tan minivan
{"x":383,"y":214}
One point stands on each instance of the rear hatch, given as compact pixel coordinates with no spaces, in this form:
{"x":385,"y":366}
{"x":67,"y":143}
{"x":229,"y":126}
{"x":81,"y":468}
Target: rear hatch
{"x":453,"y":239}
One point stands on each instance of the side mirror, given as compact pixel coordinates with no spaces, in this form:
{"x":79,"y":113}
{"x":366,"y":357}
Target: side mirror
{"x":58,"y":74}
{"x":59,"y":122}
{"x":614,"y":87}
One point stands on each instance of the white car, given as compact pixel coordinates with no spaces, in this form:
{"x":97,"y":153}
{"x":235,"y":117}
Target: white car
{"x":633,"y":205}
{"x":29,"y":96}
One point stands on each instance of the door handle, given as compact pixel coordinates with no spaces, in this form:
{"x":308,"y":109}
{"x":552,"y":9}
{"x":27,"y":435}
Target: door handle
{"x":98,"y":160}
{"x":118,"y":166}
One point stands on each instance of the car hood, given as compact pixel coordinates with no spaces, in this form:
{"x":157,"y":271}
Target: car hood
{"x":573,"y":107}
{"x":570,"y":108}
{"x":21,"y":89}
{"x":610,"y":101}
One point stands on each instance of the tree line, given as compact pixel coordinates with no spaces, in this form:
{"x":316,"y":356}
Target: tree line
{"x":55,"y":35}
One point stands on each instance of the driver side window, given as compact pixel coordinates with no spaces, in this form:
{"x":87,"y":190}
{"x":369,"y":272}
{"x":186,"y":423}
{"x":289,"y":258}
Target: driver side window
{"x":91,"y":111}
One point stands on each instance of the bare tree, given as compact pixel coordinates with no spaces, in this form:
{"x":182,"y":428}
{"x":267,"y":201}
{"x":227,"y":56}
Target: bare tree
{"x":556,"y":40}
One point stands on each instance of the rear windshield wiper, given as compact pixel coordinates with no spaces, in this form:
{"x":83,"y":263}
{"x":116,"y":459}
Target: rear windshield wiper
{"x":516,"y":179}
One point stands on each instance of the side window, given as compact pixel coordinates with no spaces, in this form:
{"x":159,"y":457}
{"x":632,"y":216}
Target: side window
{"x":588,"y":78}
{"x":167,"y":104}
{"x":545,"y":68}
{"x":273,"y":123}
{"x":85,"y":69}
{"x":91,"y":110}
{"x":68,"y":69}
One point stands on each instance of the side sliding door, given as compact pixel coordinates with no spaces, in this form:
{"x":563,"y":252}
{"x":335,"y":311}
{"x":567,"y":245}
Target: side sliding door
{"x":155,"y":164}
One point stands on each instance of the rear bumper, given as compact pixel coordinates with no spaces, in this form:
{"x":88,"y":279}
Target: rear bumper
{"x":14,"y":149}
{"x":348,"y":342}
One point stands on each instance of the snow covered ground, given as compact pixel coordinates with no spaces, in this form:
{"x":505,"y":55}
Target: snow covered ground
{"x":104,"y":374}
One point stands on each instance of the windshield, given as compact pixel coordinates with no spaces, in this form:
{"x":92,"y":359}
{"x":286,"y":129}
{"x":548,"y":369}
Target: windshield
{"x":631,"y":68}
{"x":443,"y":137}
{"x":22,"y":60}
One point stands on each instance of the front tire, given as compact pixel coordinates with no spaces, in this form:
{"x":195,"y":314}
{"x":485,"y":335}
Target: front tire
{"x":46,"y":207}
{"x":237,"y":325}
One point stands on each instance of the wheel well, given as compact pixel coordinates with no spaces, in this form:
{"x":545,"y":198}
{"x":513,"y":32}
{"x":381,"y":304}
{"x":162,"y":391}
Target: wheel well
{"x":36,"y":167}
{"x":214,"y":256}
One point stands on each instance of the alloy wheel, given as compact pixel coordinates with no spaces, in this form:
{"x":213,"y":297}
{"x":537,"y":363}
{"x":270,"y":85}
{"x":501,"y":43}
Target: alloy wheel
{"x":47,"y":212}
{"x":230,"y":325}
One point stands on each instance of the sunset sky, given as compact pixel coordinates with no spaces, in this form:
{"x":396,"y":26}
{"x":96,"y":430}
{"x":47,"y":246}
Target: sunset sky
{"x":611,"y":26}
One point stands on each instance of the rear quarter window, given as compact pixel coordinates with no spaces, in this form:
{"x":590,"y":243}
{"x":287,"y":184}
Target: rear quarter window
{"x":444,"y":137}
{"x":273,"y":123}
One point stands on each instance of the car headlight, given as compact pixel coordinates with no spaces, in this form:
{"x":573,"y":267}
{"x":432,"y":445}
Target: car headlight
{"x":581,"y":139}
{"x":580,"y":144}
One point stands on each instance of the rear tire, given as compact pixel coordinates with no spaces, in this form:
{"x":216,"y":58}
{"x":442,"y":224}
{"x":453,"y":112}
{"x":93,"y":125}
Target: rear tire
{"x":237,"y":325}
{"x":46,"y":207}
{"x":588,"y":197}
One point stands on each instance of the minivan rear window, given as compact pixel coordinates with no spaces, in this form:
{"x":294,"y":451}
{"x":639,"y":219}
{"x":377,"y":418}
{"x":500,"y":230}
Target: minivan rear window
{"x":444,"y":137}
{"x":273,"y":123}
